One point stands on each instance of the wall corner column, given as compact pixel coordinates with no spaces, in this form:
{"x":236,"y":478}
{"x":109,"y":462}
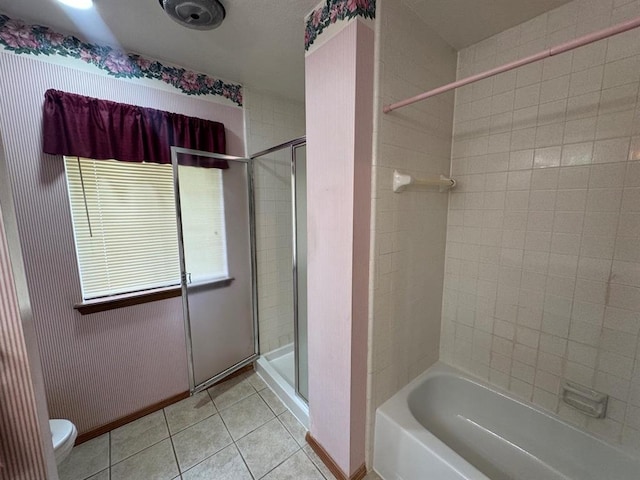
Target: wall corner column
{"x":339,"y":117}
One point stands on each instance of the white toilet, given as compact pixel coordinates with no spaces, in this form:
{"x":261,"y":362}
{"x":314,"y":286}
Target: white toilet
{"x":63,"y":435}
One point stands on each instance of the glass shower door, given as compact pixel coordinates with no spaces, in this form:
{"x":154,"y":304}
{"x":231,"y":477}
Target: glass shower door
{"x":213,"y":197}
{"x":299,"y":174}
{"x":281,"y":221}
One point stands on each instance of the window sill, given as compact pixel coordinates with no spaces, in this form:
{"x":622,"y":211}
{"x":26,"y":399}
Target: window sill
{"x":127,"y":300}
{"x":138,"y":298}
{"x":210,"y":284}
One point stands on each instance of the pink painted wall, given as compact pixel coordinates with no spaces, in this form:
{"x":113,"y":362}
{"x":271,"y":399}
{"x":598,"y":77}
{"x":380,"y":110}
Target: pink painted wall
{"x":100,"y":367}
{"x":24,"y":454}
{"x":21,"y":453}
{"x":339,"y":98}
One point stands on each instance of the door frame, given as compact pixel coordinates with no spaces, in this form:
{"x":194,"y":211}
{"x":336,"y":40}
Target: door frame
{"x":175,"y":151}
{"x":294,"y":226}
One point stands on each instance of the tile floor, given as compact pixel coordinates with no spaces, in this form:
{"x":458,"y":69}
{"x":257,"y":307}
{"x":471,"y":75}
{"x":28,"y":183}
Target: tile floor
{"x":238,"y":430}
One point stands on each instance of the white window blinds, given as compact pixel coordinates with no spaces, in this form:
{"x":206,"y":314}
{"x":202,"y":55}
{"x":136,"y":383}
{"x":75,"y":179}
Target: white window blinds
{"x":125,"y":229}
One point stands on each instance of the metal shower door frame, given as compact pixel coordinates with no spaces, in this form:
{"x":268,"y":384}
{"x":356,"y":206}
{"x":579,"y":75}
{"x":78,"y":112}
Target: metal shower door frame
{"x":292,"y":145}
{"x":175,"y":151}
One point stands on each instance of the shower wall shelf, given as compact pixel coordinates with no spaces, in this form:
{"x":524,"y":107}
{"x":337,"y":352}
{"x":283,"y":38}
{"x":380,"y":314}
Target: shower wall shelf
{"x":401,"y":181}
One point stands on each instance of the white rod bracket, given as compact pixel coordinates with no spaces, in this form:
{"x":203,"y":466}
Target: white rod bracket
{"x":401,"y":181}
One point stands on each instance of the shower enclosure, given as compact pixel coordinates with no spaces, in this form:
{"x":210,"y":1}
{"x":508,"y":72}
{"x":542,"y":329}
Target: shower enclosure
{"x":243,"y":250}
{"x":281,"y":221}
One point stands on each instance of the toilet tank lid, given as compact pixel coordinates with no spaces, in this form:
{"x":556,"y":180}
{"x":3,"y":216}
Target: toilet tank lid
{"x":61,"y":430}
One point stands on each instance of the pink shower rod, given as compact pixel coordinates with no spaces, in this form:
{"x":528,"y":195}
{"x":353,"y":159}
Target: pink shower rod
{"x":550,"y":52}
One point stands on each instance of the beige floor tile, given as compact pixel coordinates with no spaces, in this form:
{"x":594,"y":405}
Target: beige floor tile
{"x":200,"y":441}
{"x":296,"y":467}
{"x":273,"y":401}
{"x":326,"y":473}
{"x":86,"y":459}
{"x":103,"y":475}
{"x":138,"y":435}
{"x":231,"y":392}
{"x":256,"y":381}
{"x":224,"y":465}
{"x":266,"y":448}
{"x":154,"y":463}
{"x":189,"y":412}
{"x":294,"y":427}
{"x":246,"y":415}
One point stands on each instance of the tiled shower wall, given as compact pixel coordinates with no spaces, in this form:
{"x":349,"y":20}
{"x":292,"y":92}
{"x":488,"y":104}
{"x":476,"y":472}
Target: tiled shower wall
{"x":408,"y":229}
{"x":272,"y":120}
{"x":542,"y":277}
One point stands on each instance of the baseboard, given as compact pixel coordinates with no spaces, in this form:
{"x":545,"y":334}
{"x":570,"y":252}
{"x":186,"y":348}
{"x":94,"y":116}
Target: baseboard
{"x":333,"y":467}
{"x":96,"y":432}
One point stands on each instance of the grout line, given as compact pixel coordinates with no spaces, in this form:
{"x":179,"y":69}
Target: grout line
{"x":283,"y":461}
{"x":289,"y":431}
{"x":217,"y":412}
{"x":140,"y":451}
{"x":270,"y":407}
{"x":270,"y":420}
{"x":109,"y":455}
{"x":250,"y":432}
{"x":207,"y":457}
{"x":627,"y":401}
{"x":244,"y":461}
{"x":235,"y":444}
{"x":192,"y":425}
{"x":236,"y":402}
{"x":228,"y":431}
{"x":316,"y":466}
{"x":173,"y":448}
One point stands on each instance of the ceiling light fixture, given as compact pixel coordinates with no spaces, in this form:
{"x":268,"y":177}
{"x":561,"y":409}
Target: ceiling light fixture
{"x":79,"y":4}
{"x":196,"y":14}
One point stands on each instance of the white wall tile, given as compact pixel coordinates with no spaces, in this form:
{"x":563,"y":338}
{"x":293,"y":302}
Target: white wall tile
{"x":408,"y":262}
{"x":562,"y":264}
{"x":621,"y":72}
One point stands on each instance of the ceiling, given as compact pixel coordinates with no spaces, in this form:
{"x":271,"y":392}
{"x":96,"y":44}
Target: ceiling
{"x":464,"y":22}
{"x":260,"y":43}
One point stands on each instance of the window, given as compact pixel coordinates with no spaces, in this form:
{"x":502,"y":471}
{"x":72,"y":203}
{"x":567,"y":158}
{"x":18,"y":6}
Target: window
{"x":124,"y":220}
{"x":203,"y":225}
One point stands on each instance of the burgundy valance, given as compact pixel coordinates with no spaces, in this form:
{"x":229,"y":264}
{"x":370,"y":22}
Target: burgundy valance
{"x":80,"y":126}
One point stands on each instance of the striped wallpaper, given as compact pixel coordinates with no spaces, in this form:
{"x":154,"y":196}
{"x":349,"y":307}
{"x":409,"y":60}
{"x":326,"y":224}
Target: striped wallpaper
{"x":100,"y":367}
{"x":21,"y":452}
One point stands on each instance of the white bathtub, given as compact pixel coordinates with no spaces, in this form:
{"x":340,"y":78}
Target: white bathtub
{"x":447,"y":425}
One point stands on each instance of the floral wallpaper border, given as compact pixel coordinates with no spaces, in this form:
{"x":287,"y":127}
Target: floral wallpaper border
{"x":24,"y":39}
{"x":331,"y":12}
